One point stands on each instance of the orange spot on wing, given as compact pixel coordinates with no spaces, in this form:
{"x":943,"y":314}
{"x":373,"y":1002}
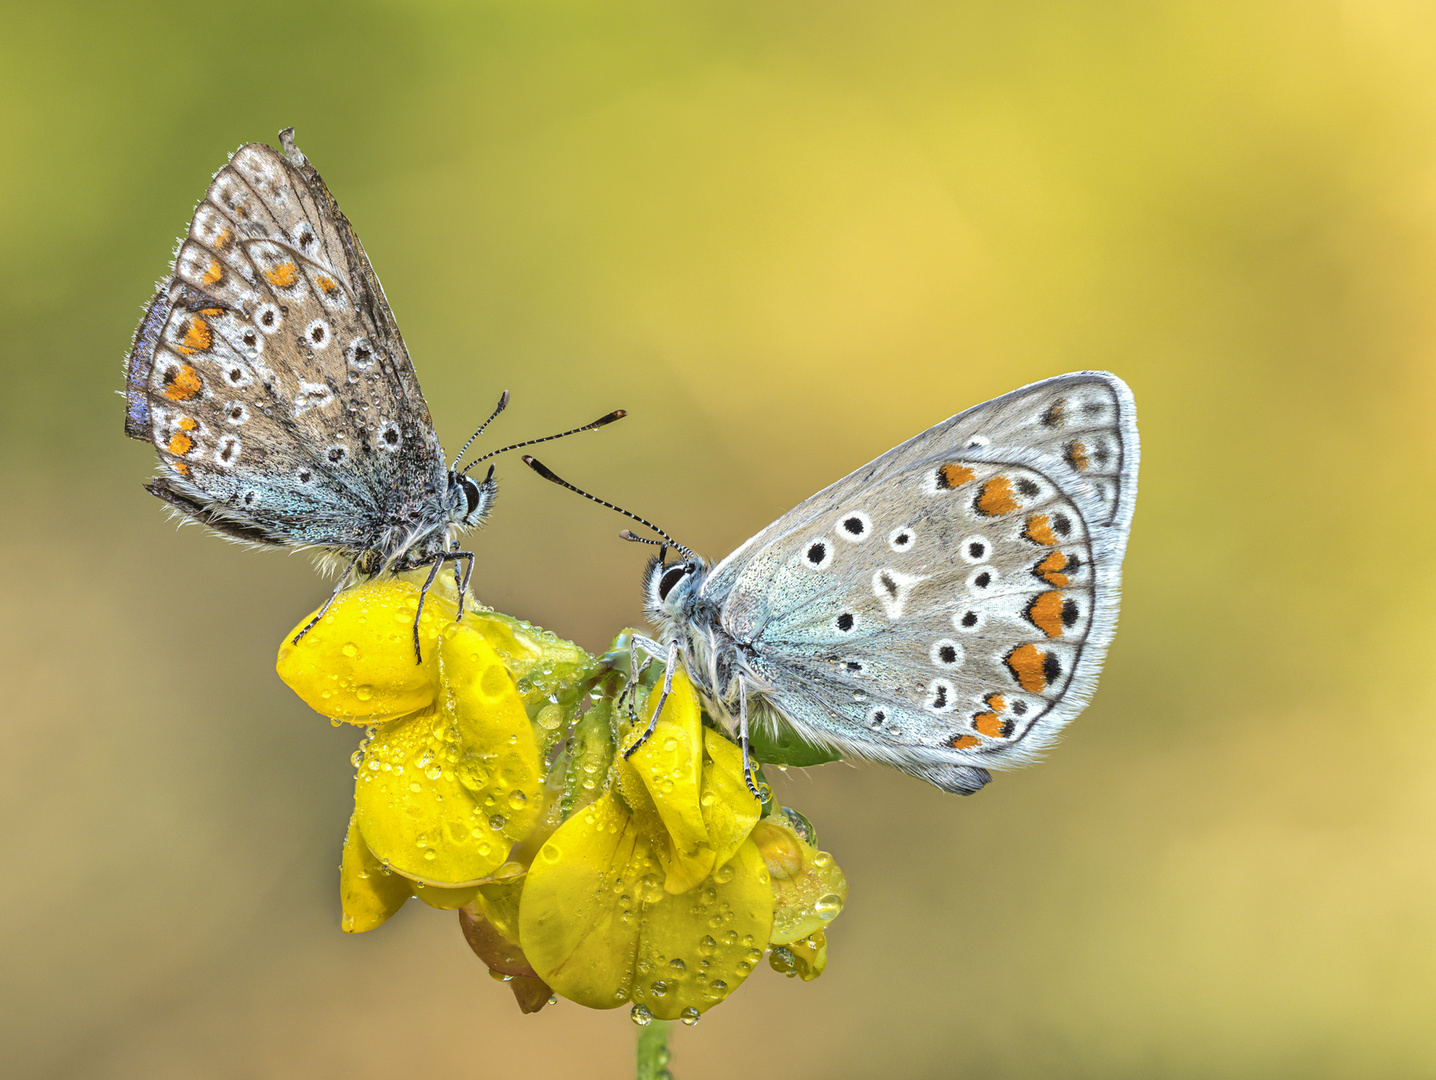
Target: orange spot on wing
{"x":211,"y":312}
{"x":954,"y":475}
{"x":183,"y":385}
{"x":327,"y":283}
{"x":1046,"y":613}
{"x":1039,"y":530}
{"x":189,"y":423}
{"x":995,"y":702}
{"x":996,"y":497}
{"x":180,"y":467}
{"x":990,"y":724}
{"x":1029,"y":665}
{"x":180,"y":444}
{"x":198,"y":337}
{"x":1077,"y":456}
{"x":283,"y":276}
{"x":214,"y":273}
{"x":964,"y":742}
{"x":223,"y":240}
{"x":1051,"y":570}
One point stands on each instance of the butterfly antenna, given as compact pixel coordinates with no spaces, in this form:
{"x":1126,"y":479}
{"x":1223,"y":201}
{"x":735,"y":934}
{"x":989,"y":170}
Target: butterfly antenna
{"x":548,"y":474}
{"x":617,"y":414}
{"x":503,"y":404}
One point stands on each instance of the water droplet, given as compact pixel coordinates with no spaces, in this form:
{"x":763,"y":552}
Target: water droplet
{"x":641,"y":1016}
{"x":677,"y":964}
{"x":689,"y":1016}
{"x":828,"y":906}
{"x":497,"y":821}
{"x":517,"y":799}
{"x":659,"y":988}
{"x":364,"y":693}
{"x":350,"y":650}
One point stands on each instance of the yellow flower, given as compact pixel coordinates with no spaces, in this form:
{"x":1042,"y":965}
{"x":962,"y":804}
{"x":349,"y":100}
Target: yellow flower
{"x":452,"y":775}
{"x":653,"y":879}
{"x":654,"y":892}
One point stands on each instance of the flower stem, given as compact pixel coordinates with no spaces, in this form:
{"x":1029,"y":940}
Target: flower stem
{"x":653,"y":1051}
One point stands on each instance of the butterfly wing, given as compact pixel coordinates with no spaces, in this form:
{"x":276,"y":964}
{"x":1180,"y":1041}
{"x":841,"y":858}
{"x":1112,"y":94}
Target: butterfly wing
{"x":946,"y":608}
{"x":269,"y":372}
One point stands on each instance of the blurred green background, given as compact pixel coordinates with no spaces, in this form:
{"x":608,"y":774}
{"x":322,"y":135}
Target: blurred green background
{"x":785,"y":236}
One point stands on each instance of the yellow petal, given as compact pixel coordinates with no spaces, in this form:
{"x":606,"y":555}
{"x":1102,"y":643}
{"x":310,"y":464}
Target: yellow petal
{"x":682,"y":869}
{"x":729,"y":809}
{"x":670,"y":762}
{"x":443,"y":795}
{"x":578,"y":921}
{"x":544,"y":664}
{"x":368,"y":895}
{"x":598,"y":926}
{"x":444,"y":897}
{"x":729,"y":813}
{"x":357,"y":663}
{"x":697,"y":948}
{"x":809,"y":889}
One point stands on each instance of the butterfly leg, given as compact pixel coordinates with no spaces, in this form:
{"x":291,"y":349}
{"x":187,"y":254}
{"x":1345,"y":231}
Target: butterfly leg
{"x":652,"y":648}
{"x":668,"y":669}
{"x":424,"y":592}
{"x":461,"y":581}
{"x":632,"y":681}
{"x":748,"y":777}
{"x":343,"y":580}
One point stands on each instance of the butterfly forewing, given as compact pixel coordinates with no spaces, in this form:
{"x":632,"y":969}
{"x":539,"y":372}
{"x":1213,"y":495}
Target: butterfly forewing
{"x":272,"y":353}
{"x":1042,"y":418}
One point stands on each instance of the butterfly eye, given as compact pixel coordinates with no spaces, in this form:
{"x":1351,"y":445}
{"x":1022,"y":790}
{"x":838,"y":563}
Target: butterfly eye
{"x":670,"y":579}
{"x":473,"y":495}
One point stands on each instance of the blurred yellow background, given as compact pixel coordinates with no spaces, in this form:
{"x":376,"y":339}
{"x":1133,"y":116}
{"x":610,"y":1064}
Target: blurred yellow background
{"x":785,"y":236}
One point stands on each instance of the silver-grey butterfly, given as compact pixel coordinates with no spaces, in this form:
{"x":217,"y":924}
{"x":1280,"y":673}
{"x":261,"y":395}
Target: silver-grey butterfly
{"x":270,"y":375}
{"x":945,"y":609}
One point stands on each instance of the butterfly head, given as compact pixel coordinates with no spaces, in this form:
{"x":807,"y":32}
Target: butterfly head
{"x":668,"y":588}
{"x":468,"y":500}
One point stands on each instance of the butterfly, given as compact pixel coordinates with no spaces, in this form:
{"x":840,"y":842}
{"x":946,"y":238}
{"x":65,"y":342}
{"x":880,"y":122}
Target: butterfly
{"x":944,"y":610}
{"x":270,"y":375}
